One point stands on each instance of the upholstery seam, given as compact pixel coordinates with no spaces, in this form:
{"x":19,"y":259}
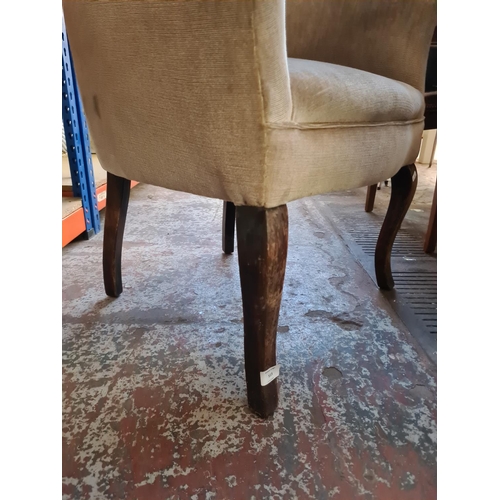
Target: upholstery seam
{"x":315,"y":126}
{"x":261,"y":202}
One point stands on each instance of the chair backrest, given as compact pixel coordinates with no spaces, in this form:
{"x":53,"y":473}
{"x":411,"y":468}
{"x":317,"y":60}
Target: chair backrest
{"x":181,"y":86}
{"x":387,"y":37}
{"x":431,"y":71}
{"x":178,"y":93}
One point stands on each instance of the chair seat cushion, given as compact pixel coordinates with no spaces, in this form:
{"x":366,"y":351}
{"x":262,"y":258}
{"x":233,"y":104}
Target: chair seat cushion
{"x":324,"y":93}
{"x":348,"y":128}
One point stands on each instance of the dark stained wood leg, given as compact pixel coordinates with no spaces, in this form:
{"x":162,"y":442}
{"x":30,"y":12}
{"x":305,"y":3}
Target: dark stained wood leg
{"x":404,"y":184}
{"x":262,"y":249}
{"x":228,"y":220}
{"x":433,"y":150}
{"x":431,"y":236}
{"x":118,"y":191}
{"x":370,"y":197}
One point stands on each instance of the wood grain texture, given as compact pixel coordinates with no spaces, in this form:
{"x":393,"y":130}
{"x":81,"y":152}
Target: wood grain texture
{"x":404,"y":184}
{"x":262,"y":249}
{"x":118,"y":192}
{"x":228,"y":222}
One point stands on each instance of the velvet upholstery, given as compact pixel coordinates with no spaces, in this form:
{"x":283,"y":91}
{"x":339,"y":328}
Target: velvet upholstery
{"x":258,"y":102}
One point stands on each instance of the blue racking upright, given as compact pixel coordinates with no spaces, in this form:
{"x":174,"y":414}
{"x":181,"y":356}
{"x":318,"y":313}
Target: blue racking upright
{"x":78,"y":143}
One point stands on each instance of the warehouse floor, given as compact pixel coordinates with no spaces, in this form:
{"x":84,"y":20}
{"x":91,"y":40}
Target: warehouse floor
{"x":154,"y":402}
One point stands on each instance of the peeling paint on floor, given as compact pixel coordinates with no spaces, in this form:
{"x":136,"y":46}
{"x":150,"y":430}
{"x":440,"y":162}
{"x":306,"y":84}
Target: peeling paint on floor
{"x":154,"y":403}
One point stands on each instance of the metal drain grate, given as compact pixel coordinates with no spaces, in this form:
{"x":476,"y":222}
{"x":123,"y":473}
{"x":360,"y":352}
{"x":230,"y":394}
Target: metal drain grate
{"x":366,"y":236}
{"x":419,"y":290}
{"x":414,"y":297}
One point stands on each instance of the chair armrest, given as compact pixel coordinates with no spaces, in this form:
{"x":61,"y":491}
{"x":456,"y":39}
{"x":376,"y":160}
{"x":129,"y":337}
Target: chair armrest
{"x":387,"y":37}
{"x":193,"y":52}
{"x":176,"y":92}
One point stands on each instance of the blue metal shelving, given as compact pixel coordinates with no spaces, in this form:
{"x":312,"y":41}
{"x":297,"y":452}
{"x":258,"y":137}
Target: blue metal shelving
{"x":78,"y":142}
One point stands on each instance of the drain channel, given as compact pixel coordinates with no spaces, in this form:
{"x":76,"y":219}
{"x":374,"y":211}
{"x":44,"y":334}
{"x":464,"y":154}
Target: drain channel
{"x":414,"y":297}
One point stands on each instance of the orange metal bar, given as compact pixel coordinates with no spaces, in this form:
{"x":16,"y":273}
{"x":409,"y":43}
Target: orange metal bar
{"x":72,"y":226}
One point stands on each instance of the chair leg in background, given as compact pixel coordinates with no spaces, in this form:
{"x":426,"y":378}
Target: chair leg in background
{"x":228,"y":221}
{"x":370,"y":197}
{"x":431,"y":235}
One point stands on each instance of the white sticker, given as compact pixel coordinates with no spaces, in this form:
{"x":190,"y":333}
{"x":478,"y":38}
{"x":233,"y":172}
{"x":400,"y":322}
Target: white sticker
{"x":101,"y":196}
{"x":269,"y":375}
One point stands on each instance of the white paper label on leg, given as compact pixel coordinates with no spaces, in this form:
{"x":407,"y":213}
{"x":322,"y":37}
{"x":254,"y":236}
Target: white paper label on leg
{"x":269,"y":375}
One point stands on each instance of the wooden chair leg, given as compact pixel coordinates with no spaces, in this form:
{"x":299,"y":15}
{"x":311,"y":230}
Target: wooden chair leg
{"x":118,"y":191}
{"x":431,"y":235}
{"x":370,"y":197}
{"x":433,"y":150}
{"x":404,"y":184}
{"x":262,"y":249}
{"x":228,"y":219}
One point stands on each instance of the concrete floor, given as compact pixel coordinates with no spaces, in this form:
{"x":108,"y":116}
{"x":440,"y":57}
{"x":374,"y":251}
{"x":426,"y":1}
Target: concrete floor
{"x":154,"y":403}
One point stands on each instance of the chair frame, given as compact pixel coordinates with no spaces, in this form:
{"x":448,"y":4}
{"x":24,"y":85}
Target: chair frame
{"x":262,"y":235}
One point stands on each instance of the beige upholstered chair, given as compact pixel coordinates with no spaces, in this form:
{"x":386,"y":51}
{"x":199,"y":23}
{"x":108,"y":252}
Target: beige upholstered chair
{"x":257,"y":103}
